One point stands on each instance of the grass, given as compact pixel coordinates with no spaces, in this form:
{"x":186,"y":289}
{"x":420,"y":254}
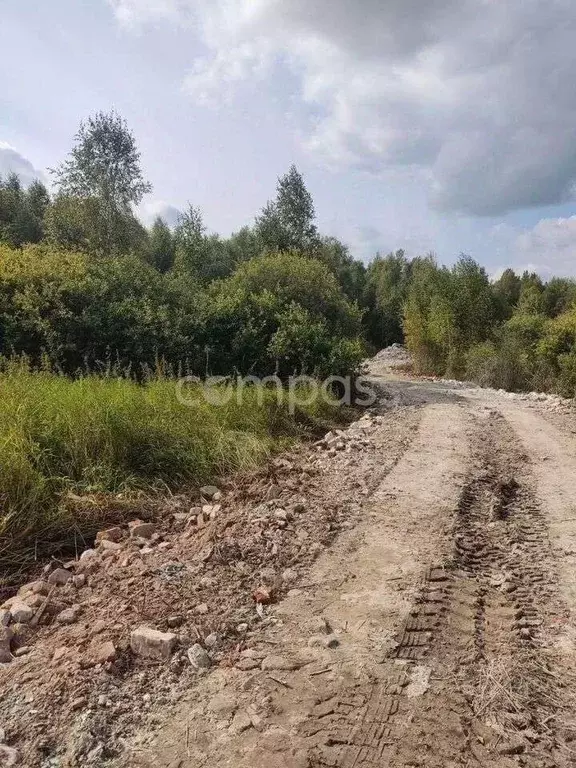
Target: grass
{"x":69,"y":448}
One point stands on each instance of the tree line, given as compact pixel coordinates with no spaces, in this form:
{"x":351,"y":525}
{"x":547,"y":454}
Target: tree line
{"x":84,"y":285}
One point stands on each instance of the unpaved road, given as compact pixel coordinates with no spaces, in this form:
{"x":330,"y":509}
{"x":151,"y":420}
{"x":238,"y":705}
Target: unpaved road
{"x":448,"y":603}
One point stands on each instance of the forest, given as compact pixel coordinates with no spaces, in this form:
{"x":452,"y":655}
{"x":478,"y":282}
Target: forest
{"x":85,"y":287}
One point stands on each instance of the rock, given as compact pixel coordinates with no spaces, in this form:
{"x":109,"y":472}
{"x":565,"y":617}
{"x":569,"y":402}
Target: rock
{"x":21,"y":612}
{"x":109,"y":546}
{"x":289,"y":576}
{"x":104,"y":653}
{"x":110,"y":534}
{"x":79,"y":580}
{"x":152,"y":644}
{"x":240,"y":723}
{"x":5,"y":617}
{"x":23,"y":651}
{"x":331,"y":641}
{"x":242,"y":629}
{"x":262,"y":595}
{"x":222,"y":704}
{"x":175,"y":621}
{"x":274,"y":662}
{"x":8,"y":756}
{"x":199,"y":657}
{"x":69,"y":615}
{"x":143,"y":530}
{"x":202,"y":609}
{"x":247,"y":665}
{"x":208,"y":491}
{"x":60,"y":577}
{"x":34,"y":588}
{"x":212,"y":640}
{"x":6,"y":636}
{"x":87,"y":554}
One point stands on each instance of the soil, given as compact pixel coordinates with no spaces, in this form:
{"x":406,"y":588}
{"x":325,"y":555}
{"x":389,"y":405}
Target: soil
{"x":400,"y":595}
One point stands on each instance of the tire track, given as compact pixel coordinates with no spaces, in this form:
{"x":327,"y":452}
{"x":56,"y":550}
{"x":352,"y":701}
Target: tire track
{"x":471,"y":680}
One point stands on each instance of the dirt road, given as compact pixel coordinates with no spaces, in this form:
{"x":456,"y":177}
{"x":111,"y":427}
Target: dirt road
{"x":438,"y":630}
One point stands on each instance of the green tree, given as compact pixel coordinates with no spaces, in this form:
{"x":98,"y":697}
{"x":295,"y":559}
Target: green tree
{"x":161,"y":246}
{"x":507,"y":293}
{"x":287,"y":223}
{"x":104,"y":165}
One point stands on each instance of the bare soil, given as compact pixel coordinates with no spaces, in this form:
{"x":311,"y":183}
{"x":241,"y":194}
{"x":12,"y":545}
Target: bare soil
{"x":423,"y":608}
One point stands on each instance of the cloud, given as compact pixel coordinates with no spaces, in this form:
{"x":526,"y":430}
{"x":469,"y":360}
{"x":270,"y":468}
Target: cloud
{"x":11,"y":161}
{"x":475,"y":94}
{"x":137,"y":12}
{"x":150,"y":210}
{"x":549,"y":247}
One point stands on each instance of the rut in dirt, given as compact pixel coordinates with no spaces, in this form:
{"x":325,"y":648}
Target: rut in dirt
{"x":473,"y":680}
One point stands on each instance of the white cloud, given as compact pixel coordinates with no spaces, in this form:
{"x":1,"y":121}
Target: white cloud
{"x":477,"y":94}
{"x":11,"y":161}
{"x":136,"y":12}
{"x":549,"y":247}
{"x":150,"y":210}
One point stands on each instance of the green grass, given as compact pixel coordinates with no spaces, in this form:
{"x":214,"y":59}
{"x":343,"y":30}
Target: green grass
{"x":64,"y":440}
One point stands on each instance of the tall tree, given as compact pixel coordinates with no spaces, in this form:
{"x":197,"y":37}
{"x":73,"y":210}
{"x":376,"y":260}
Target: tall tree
{"x":161,"y":246}
{"x":104,"y":165}
{"x":287,"y":223}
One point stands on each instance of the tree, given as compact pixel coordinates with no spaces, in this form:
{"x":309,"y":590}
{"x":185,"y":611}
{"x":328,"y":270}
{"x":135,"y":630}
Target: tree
{"x":288,"y":222}
{"x":161,"y":246}
{"x":22,"y":211}
{"x":507,"y":292}
{"x":104,"y":165}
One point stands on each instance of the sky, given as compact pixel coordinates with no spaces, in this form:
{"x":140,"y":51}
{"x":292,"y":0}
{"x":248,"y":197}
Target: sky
{"x":445,"y":126}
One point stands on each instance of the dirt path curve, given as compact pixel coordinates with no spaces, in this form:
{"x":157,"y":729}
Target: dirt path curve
{"x":438,"y":631}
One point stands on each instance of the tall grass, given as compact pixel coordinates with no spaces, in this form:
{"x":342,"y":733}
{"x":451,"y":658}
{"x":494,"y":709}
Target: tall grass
{"x":63,"y":438}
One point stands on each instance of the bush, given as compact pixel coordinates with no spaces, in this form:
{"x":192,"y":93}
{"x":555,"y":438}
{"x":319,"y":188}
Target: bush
{"x":282,"y":313}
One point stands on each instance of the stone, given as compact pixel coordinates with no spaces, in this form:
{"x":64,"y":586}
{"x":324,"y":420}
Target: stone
{"x":152,"y":644}
{"x":274,"y":662}
{"x":212,"y":640}
{"x":6,"y":636}
{"x":201,"y":609}
{"x":141,"y":529}
{"x":23,"y":651}
{"x":289,"y":576}
{"x":208,"y":491}
{"x":110,"y":534}
{"x":8,"y":756}
{"x":87,"y":554}
{"x":199,"y":658}
{"x":247,"y":665}
{"x":109,"y":546}
{"x":221,"y":704}
{"x":175,"y":621}
{"x":34,"y":601}
{"x":21,"y":612}
{"x":105,"y":652}
{"x":79,"y":580}
{"x":240,"y":723}
{"x":34,"y":588}
{"x":60,"y":577}
{"x":331,"y":641}
{"x":242,"y":629}
{"x":69,"y":615}
{"x":5,"y":617}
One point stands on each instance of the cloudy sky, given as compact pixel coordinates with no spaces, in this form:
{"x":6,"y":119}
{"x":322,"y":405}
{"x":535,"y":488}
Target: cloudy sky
{"x":445,"y":125}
